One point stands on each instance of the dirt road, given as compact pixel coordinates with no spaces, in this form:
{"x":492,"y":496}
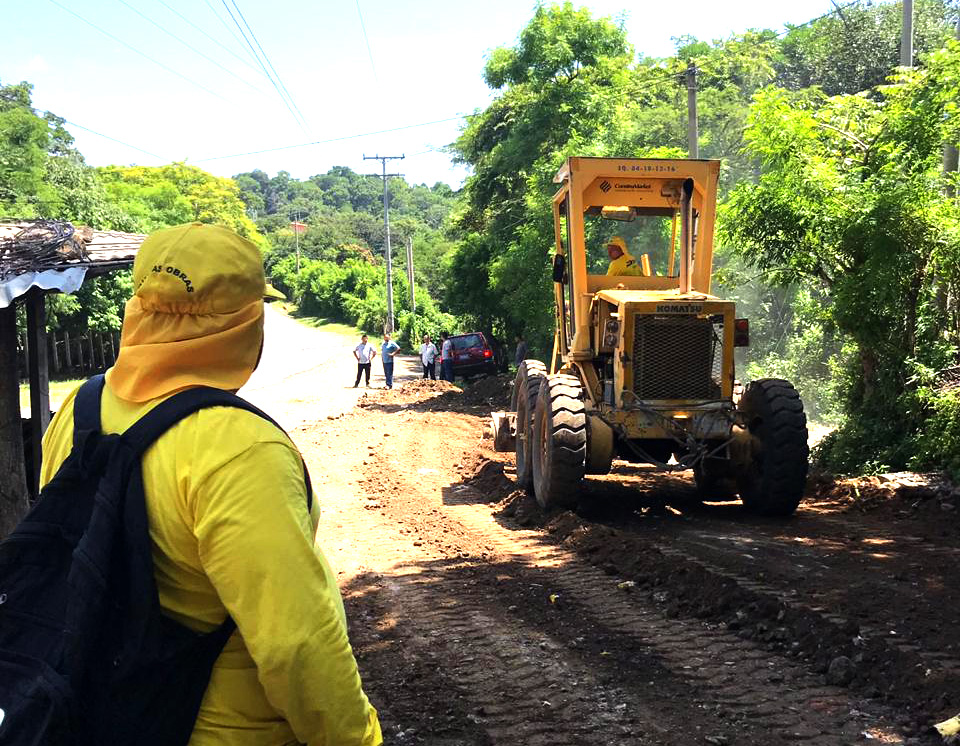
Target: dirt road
{"x":641,"y":618}
{"x":307,"y":374}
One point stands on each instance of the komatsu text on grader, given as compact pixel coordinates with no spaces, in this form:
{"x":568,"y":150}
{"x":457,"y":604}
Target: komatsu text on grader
{"x":643,"y":363}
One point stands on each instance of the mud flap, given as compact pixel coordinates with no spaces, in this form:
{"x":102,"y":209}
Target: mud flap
{"x":504,"y":431}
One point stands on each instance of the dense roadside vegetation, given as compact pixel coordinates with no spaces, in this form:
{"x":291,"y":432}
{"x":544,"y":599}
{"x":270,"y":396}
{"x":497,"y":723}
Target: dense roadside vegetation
{"x":837,"y":234}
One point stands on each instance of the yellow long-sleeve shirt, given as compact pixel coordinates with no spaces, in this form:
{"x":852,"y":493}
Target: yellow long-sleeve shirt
{"x":624,"y":265}
{"x":231,"y":533}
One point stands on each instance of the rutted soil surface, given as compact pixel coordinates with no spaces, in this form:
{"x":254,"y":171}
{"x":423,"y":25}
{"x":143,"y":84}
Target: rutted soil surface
{"x":642,"y":618}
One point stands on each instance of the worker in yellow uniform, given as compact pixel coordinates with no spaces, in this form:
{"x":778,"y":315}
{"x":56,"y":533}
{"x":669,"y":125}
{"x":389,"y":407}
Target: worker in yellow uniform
{"x":621,"y":261}
{"x":226,"y":500}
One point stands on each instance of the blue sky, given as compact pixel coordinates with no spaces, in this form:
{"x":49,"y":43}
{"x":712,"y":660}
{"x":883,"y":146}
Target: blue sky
{"x":427,"y":56}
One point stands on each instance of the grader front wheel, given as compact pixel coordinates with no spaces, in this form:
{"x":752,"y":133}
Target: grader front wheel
{"x":525,"y":391}
{"x":560,"y":446}
{"x":771,"y":462}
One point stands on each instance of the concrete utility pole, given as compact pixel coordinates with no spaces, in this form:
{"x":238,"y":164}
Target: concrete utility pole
{"x":950,"y":152}
{"x":386,"y":226}
{"x":693,"y":134}
{"x":906,"y":35}
{"x":413,"y":300}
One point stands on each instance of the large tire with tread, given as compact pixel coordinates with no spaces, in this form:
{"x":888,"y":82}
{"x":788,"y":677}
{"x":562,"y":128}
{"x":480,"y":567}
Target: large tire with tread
{"x":772,"y":470}
{"x":560,"y":442}
{"x":524,"y":402}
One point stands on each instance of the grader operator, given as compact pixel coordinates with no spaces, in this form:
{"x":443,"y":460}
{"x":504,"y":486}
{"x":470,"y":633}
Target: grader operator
{"x":643,"y":363}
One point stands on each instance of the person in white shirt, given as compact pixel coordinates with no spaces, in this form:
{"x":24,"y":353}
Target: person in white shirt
{"x":364,"y":353}
{"x":428,"y":356}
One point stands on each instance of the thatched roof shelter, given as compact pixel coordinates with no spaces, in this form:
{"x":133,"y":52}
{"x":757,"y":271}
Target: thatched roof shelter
{"x":39,"y":257}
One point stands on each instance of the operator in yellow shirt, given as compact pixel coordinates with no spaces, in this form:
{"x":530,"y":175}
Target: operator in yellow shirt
{"x":621,"y":261}
{"x":227,"y":503}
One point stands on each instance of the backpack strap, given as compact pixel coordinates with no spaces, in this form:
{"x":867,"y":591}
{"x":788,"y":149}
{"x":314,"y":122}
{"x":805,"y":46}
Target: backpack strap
{"x":169,"y":412}
{"x":86,"y":407}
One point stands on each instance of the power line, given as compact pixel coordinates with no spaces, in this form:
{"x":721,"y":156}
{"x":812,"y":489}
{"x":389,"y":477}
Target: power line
{"x":233,"y":34}
{"x":211,"y":38}
{"x":363,"y":27}
{"x":270,"y":64}
{"x":836,"y":9}
{"x":106,"y":137}
{"x":262,"y":66}
{"x":333,"y":139}
{"x":189,"y":46}
{"x":142,"y":54}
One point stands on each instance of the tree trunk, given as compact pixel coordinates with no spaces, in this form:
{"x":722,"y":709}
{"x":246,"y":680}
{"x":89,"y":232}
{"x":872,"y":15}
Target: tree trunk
{"x":868,"y":365}
{"x":910,"y":319}
{"x":13,"y":480}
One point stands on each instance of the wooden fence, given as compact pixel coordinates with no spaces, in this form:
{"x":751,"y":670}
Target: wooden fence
{"x":73,"y":354}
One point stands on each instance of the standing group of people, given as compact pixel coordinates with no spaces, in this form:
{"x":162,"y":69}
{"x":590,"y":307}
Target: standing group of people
{"x":366,"y":352}
{"x":429,"y":354}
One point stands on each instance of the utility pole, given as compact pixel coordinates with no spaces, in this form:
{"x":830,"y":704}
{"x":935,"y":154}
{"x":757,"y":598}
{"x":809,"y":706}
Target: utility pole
{"x":413,"y":300}
{"x":386,"y":227}
{"x":296,"y":238}
{"x":950,"y":151}
{"x":906,"y":35}
{"x":693,"y":135}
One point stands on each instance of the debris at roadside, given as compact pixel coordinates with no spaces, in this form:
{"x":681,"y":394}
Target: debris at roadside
{"x":897,"y":495}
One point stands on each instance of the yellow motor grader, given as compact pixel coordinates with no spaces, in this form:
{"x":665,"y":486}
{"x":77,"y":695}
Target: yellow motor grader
{"x":643,"y":361}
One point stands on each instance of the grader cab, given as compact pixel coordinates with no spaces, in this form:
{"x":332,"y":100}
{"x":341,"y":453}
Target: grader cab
{"x":643,"y":362}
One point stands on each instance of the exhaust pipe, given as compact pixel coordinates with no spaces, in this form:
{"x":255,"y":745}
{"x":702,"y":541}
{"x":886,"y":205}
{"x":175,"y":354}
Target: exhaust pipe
{"x":686,"y":236}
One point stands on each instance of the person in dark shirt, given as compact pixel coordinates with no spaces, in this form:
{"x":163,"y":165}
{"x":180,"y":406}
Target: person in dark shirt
{"x":522,"y":350}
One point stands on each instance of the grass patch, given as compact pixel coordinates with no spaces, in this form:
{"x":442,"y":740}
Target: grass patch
{"x":327,"y":325}
{"x":58,"y":392}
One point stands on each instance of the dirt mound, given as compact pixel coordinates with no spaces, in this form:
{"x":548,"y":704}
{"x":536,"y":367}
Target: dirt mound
{"x":492,"y":391}
{"x":426,"y":384}
{"x":417,"y":391}
{"x":895,"y":496}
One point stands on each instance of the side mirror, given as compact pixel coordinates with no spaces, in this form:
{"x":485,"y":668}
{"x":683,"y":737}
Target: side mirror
{"x":559,"y":269}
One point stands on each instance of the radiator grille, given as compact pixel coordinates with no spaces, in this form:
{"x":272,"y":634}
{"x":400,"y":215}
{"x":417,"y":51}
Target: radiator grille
{"x":677,"y":357}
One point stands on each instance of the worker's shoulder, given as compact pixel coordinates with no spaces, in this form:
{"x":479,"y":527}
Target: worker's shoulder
{"x":234,"y":423}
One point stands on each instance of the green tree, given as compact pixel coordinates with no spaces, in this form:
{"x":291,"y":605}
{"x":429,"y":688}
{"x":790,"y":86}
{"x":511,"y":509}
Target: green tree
{"x":160,"y":196}
{"x":851,"y":199}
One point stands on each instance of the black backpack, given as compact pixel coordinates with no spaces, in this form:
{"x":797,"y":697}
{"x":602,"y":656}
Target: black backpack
{"x":87,"y":658}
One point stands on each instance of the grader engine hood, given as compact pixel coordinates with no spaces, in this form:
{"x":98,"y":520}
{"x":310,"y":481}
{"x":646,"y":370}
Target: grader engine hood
{"x":671,"y":347}
{"x":672,"y":355}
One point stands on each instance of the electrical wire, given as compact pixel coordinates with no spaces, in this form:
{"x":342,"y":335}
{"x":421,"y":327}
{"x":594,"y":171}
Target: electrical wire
{"x":270,"y":64}
{"x":43,"y":114}
{"x":121,"y":142}
{"x":141,"y":53}
{"x":333,"y":139}
{"x":363,"y":27}
{"x":227,"y":70}
{"x":211,"y":38}
{"x":276,"y":75}
{"x":263,"y":67}
{"x":236,"y":38}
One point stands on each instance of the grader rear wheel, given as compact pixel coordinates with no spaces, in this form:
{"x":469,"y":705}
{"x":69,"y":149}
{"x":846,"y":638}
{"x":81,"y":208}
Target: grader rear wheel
{"x":560,"y":446}
{"x":525,"y":391}
{"x":772,"y":465}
